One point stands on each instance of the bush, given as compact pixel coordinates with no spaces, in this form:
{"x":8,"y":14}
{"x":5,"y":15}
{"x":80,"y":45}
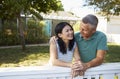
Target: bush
{"x":33,"y":33}
{"x":8,"y":33}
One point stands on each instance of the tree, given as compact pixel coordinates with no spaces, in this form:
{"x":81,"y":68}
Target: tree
{"x":10,"y":9}
{"x":105,"y":7}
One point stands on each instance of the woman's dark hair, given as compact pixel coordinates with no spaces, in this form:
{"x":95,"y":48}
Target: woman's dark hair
{"x":58,"y":29}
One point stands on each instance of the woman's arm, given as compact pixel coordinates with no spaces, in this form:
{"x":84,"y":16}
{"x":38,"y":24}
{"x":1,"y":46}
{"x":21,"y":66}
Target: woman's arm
{"x":76,"y":62}
{"x":76,"y":54}
{"x":53,"y":55}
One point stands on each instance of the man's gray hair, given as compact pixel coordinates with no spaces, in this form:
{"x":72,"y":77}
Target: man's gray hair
{"x":91,"y":19}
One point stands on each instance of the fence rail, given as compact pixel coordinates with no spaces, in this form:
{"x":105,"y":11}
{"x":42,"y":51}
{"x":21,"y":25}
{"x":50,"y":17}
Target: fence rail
{"x":104,"y":71}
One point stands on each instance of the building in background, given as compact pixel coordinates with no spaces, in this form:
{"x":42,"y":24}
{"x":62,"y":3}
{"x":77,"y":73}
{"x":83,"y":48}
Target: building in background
{"x":54,"y":18}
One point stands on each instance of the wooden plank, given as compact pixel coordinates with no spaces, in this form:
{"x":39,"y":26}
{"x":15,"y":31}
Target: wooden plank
{"x":107,"y":76}
{"x":105,"y":71}
{"x":118,"y":75}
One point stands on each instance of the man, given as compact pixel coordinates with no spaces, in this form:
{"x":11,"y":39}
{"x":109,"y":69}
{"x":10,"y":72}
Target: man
{"x":92,"y":44}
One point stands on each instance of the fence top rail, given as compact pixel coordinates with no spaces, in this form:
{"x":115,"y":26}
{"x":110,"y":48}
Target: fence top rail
{"x":42,"y":70}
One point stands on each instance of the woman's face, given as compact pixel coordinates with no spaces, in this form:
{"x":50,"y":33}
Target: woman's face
{"x":67,"y":33}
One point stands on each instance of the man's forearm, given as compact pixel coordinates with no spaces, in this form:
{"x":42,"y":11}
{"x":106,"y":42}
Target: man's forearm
{"x":94,"y":62}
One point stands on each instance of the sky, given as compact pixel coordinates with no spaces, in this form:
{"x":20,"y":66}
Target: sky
{"x":76,"y":7}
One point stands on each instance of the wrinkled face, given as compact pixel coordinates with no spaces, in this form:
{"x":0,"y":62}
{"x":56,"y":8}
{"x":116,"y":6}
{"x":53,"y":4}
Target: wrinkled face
{"x":86,"y":30}
{"x":67,"y":33}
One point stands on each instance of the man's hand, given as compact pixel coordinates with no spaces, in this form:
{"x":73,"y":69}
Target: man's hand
{"x":79,"y":68}
{"x":78,"y":65}
{"x":52,"y":39}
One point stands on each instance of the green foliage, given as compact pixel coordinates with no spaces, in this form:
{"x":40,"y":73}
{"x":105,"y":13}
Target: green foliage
{"x":13,"y":8}
{"x":33,"y":32}
{"x":10,"y":9}
{"x":106,"y":7}
{"x":9,"y":34}
{"x":36,"y":31}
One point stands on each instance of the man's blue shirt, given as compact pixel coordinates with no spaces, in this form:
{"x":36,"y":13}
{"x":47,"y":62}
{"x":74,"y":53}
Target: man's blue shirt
{"x":88,"y":48}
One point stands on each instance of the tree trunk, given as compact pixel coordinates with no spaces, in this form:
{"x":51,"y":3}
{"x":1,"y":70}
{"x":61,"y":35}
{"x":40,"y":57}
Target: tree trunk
{"x":1,"y":24}
{"x":21,"y":33}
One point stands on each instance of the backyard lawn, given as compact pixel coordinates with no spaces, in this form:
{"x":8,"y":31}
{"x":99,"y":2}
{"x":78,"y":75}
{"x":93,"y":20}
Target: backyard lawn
{"x":39,"y":55}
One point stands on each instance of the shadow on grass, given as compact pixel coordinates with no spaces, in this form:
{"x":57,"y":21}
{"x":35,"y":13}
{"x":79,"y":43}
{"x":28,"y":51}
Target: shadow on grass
{"x":32,"y":55}
{"x":39,"y":55}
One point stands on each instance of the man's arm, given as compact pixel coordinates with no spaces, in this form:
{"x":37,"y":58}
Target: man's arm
{"x":96,"y":61}
{"x":100,"y":54}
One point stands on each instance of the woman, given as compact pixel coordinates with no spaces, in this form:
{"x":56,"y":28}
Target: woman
{"x":63,"y":47}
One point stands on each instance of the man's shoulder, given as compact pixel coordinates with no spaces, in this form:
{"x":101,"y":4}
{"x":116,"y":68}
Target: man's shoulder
{"x":100,"y":34}
{"x":77,"y":33}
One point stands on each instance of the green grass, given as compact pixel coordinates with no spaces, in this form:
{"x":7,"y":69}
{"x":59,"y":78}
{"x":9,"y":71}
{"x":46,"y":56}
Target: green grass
{"x":33,"y":56}
{"x":113,"y":54}
{"x":39,"y":55}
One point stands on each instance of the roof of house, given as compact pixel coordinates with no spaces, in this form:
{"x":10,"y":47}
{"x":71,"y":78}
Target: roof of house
{"x":60,"y":15}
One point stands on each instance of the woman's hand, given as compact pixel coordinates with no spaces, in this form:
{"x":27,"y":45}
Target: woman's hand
{"x":77,"y":69}
{"x":77,"y":65}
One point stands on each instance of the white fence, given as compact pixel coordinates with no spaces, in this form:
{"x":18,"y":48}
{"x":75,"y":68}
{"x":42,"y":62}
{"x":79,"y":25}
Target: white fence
{"x":104,"y":71}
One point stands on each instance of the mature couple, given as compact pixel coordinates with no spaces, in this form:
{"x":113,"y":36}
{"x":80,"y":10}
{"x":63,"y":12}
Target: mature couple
{"x":87,"y":47}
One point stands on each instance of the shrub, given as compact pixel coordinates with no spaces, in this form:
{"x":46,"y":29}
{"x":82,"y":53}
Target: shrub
{"x":33,"y":32}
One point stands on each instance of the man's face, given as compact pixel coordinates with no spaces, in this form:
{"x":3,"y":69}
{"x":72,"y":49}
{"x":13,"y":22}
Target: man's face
{"x":86,"y":30}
